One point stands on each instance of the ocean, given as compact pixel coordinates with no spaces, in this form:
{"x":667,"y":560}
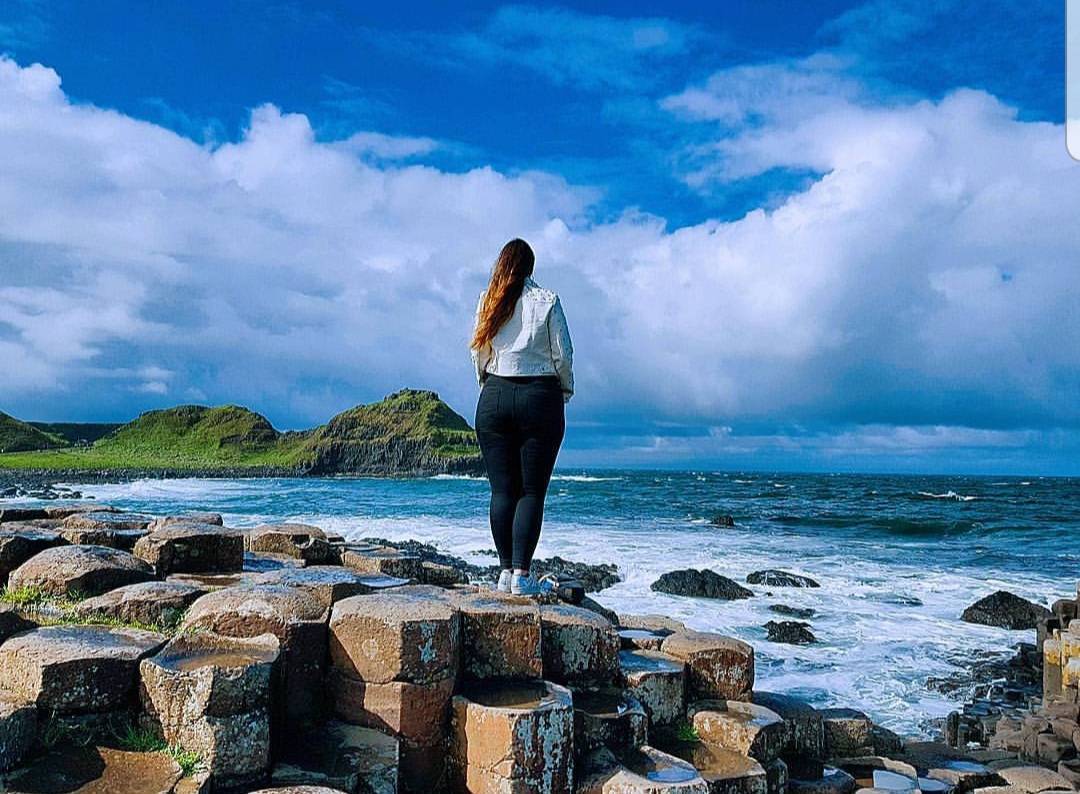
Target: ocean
{"x":898,"y":557}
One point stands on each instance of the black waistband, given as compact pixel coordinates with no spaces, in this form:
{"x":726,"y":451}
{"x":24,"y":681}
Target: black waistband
{"x":523,"y":379}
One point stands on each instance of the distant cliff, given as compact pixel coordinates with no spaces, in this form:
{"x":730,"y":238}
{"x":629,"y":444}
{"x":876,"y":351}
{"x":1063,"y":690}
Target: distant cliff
{"x":409,"y":433}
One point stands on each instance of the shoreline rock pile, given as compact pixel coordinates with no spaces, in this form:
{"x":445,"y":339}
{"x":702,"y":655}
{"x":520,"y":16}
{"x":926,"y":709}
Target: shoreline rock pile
{"x":142,"y":655}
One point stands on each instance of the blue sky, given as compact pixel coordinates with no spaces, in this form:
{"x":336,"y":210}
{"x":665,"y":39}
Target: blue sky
{"x":801,"y":236}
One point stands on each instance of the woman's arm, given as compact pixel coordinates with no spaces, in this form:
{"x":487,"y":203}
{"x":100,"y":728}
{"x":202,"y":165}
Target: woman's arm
{"x":562,"y":349}
{"x":480,"y":358}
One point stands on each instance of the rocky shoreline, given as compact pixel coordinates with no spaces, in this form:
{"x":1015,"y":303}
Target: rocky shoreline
{"x":145,"y":654}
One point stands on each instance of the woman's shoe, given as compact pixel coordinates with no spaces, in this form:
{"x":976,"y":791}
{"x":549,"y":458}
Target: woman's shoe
{"x":524,"y":585}
{"x":504,"y":580}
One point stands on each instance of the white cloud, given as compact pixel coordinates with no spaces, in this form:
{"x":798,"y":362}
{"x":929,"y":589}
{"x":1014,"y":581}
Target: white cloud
{"x":928,"y":278}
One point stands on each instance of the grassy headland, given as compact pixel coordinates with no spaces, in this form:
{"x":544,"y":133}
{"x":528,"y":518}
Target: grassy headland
{"x":409,"y":432}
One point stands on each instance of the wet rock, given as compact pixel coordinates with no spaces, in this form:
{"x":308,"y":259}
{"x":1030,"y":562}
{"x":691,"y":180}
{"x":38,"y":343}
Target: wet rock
{"x":776,"y":776}
{"x":806,"y":735}
{"x":186,"y":518}
{"x":80,"y":571}
{"x":1033,"y":779}
{"x":386,"y":561}
{"x":773,"y":577}
{"x":579,"y":647}
{"x":593,"y":577}
{"x":501,"y":636}
{"x":641,"y":639}
{"x":599,"y":609}
{"x":722,"y":520}
{"x":645,"y":770}
{"x":410,"y":634}
{"x":608,"y":718}
{"x":265,"y":562}
{"x":214,"y":581}
{"x":847,"y":732}
{"x":658,"y":681}
{"x":75,"y":669}
{"x":18,"y":724}
{"x":745,"y":728}
{"x":328,"y":583}
{"x":342,"y":757}
{"x":107,"y":520}
{"x":302,"y":541}
{"x":296,"y":618}
{"x":791,"y":632}
{"x":724,"y":771}
{"x":886,"y":742}
{"x":1005,"y":610}
{"x":717,"y":667}
{"x":18,"y":543}
{"x":795,"y":612}
{"x":96,"y":770}
{"x":211,"y":695}
{"x":834,"y":781}
{"x":115,"y":530}
{"x":513,"y":737}
{"x":700,"y":584}
{"x":161,"y":603}
{"x":192,"y":548}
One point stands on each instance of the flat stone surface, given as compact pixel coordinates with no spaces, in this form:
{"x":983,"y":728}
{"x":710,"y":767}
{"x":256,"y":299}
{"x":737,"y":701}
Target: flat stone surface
{"x":296,"y":618}
{"x":1033,"y":778}
{"x":303,"y":541}
{"x":834,"y":781}
{"x":68,"y":669}
{"x":846,"y":730}
{"x":642,"y":771}
{"x":501,"y":635}
{"x":717,"y":666}
{"x":328,"y":583}
{"x":19,"y":545}
{"x":744,"y":728}
{"x":514,"y":736}
{"x":107,"y":520}
{"x":95,"y":770}
{"x":416,"y":712}
{"x":186,"y":518}
{"x":18,"y":724}
{"x":123,"y":539}
{"x":726,"y":771}
{"x":410,"y":634}
{"x":192,"y":548}
{"x":382,"y":560}
{"x":214,"y":581}
{"x":145,"y":602}
{"x":346,"y":757}
{"x":658,"y":682}
{"x":80,"y":570}
{"x":579,"y":646}
{"x":610,"y":718}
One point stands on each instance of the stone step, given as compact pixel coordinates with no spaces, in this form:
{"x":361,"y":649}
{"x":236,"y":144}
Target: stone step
{"x":329,"y":583}
{"x":188,"y":547}
{"x":610,"y":718}
{"x":382,"y":560}
{"x":338,"y":756}
{"x":94,"y":770}
{"x":641,"y":639}
{"x":806,"y":736}
{"x":580,"y":647}
{"x":512,"y":736}
{"x":500,"y":635}
{"x":717,"y":666}
{"x":645,"y":770}
{"x":80,"y":571}
{"x":18,"y":543}
{"x":145,"y":602}
{"x":302,"y":541}
{"x":658,"y":682}
{"x":726,"y":771}
{"x":745,"y":728}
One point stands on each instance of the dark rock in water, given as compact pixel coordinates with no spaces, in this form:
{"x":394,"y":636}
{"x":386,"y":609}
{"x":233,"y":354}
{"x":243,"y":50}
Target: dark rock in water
{"x":794,"y":612}
{"x":792,"y":632}
{"x":722,"y":520}
{"x":771,"y":577}
{"x":1005,"y":610}
{"x":700,"y":584}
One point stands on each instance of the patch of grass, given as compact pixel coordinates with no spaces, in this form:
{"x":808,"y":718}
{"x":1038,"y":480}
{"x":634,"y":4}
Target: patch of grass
{"x":686,"y":732}
{"x":140,"y":740}
{"x":50,"y":610}
{"x":189,"y":762}
{"x":23,"y":596}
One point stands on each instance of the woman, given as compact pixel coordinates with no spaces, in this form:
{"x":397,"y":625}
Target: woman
{"x":524,"y":364}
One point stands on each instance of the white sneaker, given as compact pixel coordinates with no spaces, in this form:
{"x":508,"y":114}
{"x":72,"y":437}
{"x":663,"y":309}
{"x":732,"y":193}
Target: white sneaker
{"x":504,"y":580}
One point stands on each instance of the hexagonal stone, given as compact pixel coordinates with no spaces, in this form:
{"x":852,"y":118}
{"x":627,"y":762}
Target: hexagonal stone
{"x":608,"y":718}
{"x":303,"y":541}
{"x":95,"y":770}
{"x":115,"y":530}
{"x":100,"y":519}
{"x":847,"y":731}
{"x":416,"y":712}
{"x":514,"y":736}
{"x":17,"y":545}
{"x":1033,"y":779}
{"x":659,"y":624}
{"x":18,"y":724}
{"x":641,"y":639}
{"x":832,"y":781}
{"x":346,"y":757}
{"x":501,"y":635}
{"x":806,"y":737}
{"x":186,"y":518}
{"x":192,"y":548}
{"x":70,"y":669}
{"x":383,"y":560}
{"x":149,"y":603}
{"x":214,"y":581}
{"x":80,"y":570}
{"x":328,"y":583}
{"x":725,"y":771}
{"x":296,"y":618}
{"x":658,"y":681}
{"x":211,"y":695}
{"x":579,"y":646}
{"x":776,"y":776}
{"x":642,"y":771}
{"x":745,"y":728}
{"x":406,"y":634}
{"x":717,"y":667}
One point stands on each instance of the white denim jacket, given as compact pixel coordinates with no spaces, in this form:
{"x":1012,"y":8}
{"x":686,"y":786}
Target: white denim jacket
{"x":534,"y":341}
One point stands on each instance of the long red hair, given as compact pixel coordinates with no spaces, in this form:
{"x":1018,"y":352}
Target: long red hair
{"x":514,"y":265}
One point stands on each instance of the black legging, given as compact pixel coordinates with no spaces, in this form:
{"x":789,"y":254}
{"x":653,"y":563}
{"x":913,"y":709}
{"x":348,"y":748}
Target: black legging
{"x":519,"y":423}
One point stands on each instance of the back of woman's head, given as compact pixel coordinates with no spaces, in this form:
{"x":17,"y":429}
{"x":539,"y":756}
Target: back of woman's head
{"x":514,"y":265}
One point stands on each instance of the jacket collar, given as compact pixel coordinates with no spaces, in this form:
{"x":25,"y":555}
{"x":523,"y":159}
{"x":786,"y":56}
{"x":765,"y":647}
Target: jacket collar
{"x":529,"y":282}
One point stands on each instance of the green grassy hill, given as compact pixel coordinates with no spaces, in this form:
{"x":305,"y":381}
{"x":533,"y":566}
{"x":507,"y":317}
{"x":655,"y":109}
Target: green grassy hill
{"x":19,"y":436}
{"x":77,"y":432}
{"x":410,"y":432}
